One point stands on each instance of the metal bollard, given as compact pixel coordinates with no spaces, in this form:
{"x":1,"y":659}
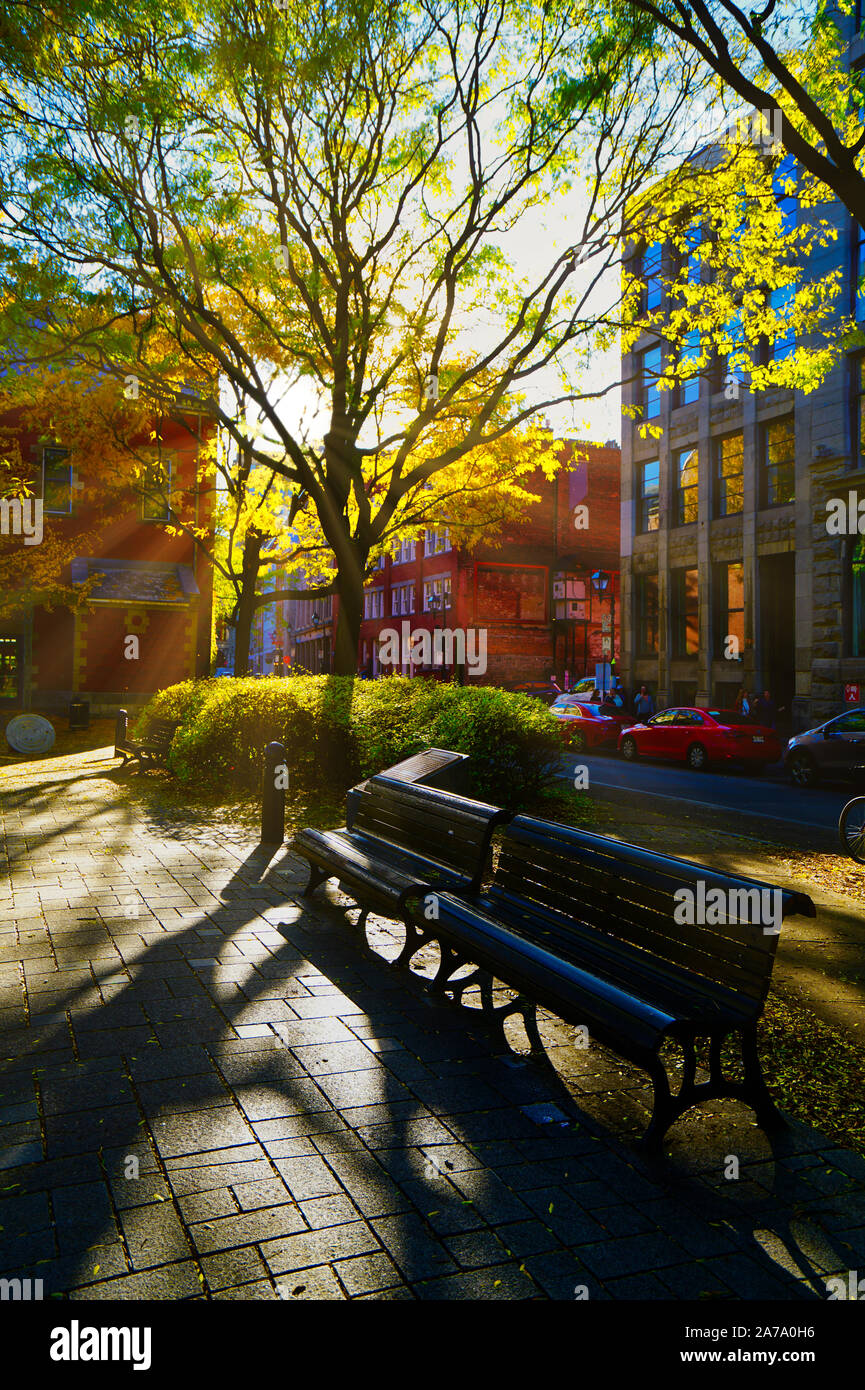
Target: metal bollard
{"x":120,"y":726}
{"x":273,"y":796}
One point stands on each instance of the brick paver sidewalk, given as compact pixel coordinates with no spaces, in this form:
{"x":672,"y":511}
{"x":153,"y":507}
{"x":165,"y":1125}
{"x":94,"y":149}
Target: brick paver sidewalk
{"x":210,"y":1088}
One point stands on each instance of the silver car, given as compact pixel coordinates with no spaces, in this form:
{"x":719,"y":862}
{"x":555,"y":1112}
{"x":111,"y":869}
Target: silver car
{"x":833,"y":749}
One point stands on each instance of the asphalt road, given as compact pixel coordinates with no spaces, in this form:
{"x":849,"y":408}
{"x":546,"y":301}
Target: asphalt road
{"x":769,"y":806}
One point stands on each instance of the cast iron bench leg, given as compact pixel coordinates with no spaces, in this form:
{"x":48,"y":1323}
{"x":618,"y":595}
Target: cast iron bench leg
{"x":316,"y":876}
{"x":756,"y":1089}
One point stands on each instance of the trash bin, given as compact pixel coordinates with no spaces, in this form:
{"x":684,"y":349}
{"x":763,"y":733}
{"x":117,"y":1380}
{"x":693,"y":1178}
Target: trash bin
{"x":79,"y":714}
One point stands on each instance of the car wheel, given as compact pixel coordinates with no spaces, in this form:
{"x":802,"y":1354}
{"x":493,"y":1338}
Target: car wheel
{"x":630,"y":751}
{"x":803,"y":770}
{"x":696,"y":758}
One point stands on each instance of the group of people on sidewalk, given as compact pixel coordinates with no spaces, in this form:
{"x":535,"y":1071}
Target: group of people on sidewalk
{"x":760,"y":709}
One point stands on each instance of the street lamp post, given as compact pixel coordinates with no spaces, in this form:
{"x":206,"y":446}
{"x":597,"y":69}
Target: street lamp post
{"x":315,"y":622}
{"x":602,"y":584}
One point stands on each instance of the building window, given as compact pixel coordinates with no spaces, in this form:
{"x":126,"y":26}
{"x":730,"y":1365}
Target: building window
{"x":402,"y":599}
{"x":781,"y":299}
{"x":692,"y":260}
{"x":686,"y":486}
{"x":729,"y":610}
{"x":778,"y":481}
{"x":155,"y":485}
{"x":729,"y":475}
{"x":647,"y":614}
{"x":404,"y":553}
{"x":373,"y":603}
{"x":437,"y":542}
{"x":650,"y":370}
{"x":686,"y":628}
{"x":688,"y":389}
{"x":858,"y":270}
{"x":728,"y":345}
{"x":784,"y":181}
{"x":653,"y":289}
{"x":856,"y":584}
{"x":56,"y":481}
{"x":648,"y":481}
{"x":436,"y":589}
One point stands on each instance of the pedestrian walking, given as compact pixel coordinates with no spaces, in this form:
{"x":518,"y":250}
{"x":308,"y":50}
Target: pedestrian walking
{"x":644,"y":705}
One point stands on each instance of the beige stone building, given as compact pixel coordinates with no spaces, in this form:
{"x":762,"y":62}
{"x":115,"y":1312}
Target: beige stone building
{"x":726,"y":527}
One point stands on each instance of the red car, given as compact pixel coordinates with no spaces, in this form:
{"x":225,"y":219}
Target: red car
{"x":582,"y":725}
{"x":699,"y":737}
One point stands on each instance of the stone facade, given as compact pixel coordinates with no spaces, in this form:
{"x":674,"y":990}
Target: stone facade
{"x":798,"y":638}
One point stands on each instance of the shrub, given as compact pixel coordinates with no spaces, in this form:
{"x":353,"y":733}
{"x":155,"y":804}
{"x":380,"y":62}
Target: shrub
{"x":337,"y":730}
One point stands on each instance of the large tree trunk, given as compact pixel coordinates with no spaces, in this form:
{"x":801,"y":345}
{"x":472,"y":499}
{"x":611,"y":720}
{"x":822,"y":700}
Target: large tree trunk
{"x":350,"y":616}
{"x":246,"y":603}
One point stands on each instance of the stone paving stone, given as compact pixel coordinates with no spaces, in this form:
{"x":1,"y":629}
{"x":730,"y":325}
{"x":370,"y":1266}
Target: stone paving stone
{"x":233,"y":1267}
{"x":214,"y":1128}
{"x":630,"y":1254}
{"x":490,"y":1285}
{"x":560,"y":1274}
{"x":412,"y":1247}
{"x":154,"y":1236}
{"x":142,"y":1191}
{"x":187,"y":1176}
{"x":90,"y":1130}
{"x":262,"y":1291}
{"x":477,"y":1249}
{"x":171,"y":1281}
{"x":302,"y":1251}
{"x":367,"y":1274}
{"x":268,"y":1192}
{"x":310,"y":1285}
{"x":26,"y":1248}
{"x":247,"y":1228}
{"x":329,"y":1211}
{"x":307,"y":1177}
{"x":369,"y":1187}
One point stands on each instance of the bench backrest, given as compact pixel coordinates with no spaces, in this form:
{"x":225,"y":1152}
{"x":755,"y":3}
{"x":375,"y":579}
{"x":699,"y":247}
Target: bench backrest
{"x":161,"y":731}
{"x":627,"y":894}
{"x":440,"y":826}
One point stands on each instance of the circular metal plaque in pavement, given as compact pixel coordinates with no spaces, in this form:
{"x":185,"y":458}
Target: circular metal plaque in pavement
{"x":30,"y":733}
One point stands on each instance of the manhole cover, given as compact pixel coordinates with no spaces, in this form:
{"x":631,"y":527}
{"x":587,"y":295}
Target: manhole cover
{"x":30,"y":733}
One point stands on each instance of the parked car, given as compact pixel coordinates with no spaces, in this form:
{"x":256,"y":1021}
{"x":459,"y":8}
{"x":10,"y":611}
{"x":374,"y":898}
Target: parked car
{"x":582,"y":725}
{"x":699,"y":737}
{"x":542,"y":690}
{"x":223,"y":671}
{"x":833,"y":749}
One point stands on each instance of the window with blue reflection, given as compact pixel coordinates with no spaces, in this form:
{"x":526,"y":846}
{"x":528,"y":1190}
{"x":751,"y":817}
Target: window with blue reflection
{"x":649,"y":477}
{"x":654,"y":290}
{"x":784,"y":181}
{"x":785,"y":340}
{"x":651,"y":396}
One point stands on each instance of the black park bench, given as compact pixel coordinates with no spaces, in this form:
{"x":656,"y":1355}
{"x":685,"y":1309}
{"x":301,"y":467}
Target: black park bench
{"x":151,"y":751}
{"x":404,"y":838}
{"x":585,"y":926}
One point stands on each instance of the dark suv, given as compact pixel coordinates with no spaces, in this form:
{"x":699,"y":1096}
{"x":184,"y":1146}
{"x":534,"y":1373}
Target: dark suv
{"x":833,"y":749}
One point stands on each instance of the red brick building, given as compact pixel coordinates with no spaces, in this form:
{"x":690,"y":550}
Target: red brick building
{"x":147,"y":623}
{"x":530,"y":599}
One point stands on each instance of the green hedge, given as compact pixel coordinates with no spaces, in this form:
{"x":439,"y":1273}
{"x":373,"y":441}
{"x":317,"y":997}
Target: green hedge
{"x":337,"y":730}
